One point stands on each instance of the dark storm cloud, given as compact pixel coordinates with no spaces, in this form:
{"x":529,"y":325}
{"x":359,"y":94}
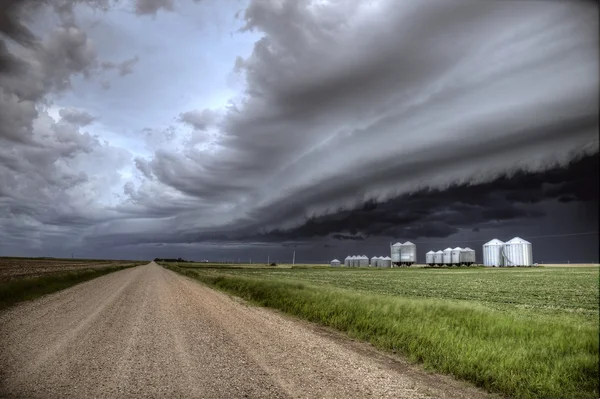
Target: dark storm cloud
{"x":358,"y":119}
{"x":337,"y":113}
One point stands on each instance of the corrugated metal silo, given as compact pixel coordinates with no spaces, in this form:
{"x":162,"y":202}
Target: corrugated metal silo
{"x":354,"y":261}
{"x":517,"y":252}
{"x":375,"y":261}
{"x":439,"y":258}
{"x":396,"y":253}
{"x":386,"y":262}
{"x":456,"y":255}
{"x":364,"y":261}
{"x":430,"y":258}
{"x":447,"y":257}
{"x":492,"y":253}
{"x":467,"y":256}
{"x":408,"y":253}
{"x":335,"y":263}
{"x":347,"y":261}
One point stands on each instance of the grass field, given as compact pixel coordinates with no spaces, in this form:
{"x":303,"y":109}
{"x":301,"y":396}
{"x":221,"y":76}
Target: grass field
{"x":520,"y":332}
{"x":23,"y":279}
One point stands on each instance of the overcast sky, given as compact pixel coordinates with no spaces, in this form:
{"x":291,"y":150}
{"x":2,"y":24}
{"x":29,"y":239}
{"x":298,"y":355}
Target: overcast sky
{"x":228,"y":129}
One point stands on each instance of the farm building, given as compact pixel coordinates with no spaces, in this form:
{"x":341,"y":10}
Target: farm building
{"x":396,"y":253}
{"x":347,"y":261}
{"x":430,"y":258}
{"x":467,"y":256}
{"x":363,"y":261}
{"x":408,"y":253}
{"x":492,"y":253}
{"x":447,"y":256}
{"x":335,"y":263}
{"x":455,"y":255}
{"x":439,"y":257}
{"x":386,"y":262}
{"x":375,"y":261}
{"x":517,"y":252}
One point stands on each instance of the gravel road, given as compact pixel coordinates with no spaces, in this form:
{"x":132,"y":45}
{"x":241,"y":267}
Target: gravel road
{"x":149,"y":332}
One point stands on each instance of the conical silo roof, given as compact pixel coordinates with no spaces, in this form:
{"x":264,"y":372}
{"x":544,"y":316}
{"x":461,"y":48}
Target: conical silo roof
{"x":494,"y":241}
{"x":517,"y":240}
{"x":457,"y":249}
{"x":430,"y":252}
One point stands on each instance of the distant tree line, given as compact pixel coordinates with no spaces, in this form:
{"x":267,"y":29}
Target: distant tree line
{"x":171,"y":260}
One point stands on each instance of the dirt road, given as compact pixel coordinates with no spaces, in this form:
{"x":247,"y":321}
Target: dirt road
{"x":149,"y":332}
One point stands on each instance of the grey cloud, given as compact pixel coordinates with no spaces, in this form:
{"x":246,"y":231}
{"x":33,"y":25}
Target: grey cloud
{"x":143,"y":166}
{"x":151,"y":7}
{"x":76,"y":117}
{"x":124,"y":68}
{"x":197,"y":119}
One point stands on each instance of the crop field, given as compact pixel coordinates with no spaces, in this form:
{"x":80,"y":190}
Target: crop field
{"x":23,"y":279}
{"x":519,"y":332}
{"x":19,"y":268}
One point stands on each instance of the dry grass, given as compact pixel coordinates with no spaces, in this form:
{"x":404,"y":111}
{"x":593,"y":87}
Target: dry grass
{"x":12,"y":269}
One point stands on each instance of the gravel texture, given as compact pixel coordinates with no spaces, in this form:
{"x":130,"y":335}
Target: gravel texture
{"x":149,"y":332}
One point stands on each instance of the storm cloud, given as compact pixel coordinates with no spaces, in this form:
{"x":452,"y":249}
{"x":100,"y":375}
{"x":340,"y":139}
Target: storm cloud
{"x":342,"y":121}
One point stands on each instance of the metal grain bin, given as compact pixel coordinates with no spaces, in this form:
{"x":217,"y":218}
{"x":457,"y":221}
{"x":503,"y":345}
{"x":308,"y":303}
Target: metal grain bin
{"x":408,"y":253}
{"x":353,"y":261}
{"x":517,"y":252}
{"x":375,"y":261}
{"x":492,"y":253}
{"x":363,"y":261}
{"x":456,"y":255}
{"x":386,"y":262}
{"x":447,"y":257}
{"x":439,"y":258}
{"x":430,"y":258}
{"x":396,"y":253}
{"x":347,"y":261}
{"x":335,"y":263}
{"x":467,"y":256}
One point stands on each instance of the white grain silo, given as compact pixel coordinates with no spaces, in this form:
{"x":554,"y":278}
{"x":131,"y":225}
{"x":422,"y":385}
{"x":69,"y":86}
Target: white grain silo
{"x":408,"y":253}
{"x":335,"y":263}
{"x":447,"y":257}
{"x":364,"y":261}
{"x":355,"y":262}
{"x":386,"y":262}
{"x":347,"y":261}
{"x":396,"y":253}
{"x":467,"y":256}
{"x":375,"y":261}
{"x":455,"y":254}
{"x":492,"y":253}
{"x":430,"y":258}
{"x":439,"y":258}
{"x":517,"y":252}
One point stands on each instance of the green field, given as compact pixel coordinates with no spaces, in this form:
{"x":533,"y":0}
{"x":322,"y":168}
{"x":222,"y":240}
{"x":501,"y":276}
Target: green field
{"x":520,"y":332}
